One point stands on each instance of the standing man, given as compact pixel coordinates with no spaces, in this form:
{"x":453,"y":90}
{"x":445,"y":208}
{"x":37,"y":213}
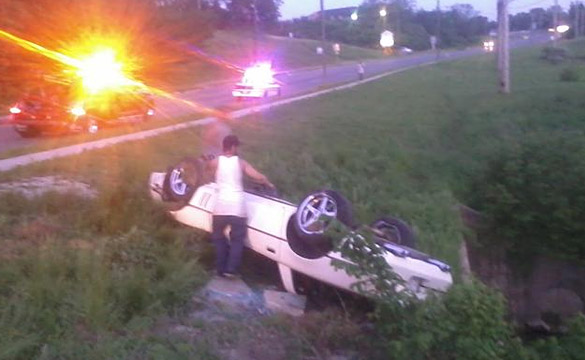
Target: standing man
{"x":230,"y":208}
{"x":360,"y":70}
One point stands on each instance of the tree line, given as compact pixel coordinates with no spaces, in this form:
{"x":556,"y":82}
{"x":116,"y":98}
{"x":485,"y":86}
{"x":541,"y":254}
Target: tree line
{"x":458,"y":26}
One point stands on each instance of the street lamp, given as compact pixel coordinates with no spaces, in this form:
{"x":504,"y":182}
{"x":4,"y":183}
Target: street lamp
{"x":354,"y":16}
{"x":383,"y":14}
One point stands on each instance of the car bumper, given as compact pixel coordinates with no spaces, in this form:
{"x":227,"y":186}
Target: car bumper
{"x":248,"y":93}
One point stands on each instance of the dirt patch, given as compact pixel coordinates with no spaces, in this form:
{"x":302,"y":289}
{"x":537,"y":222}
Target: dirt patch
{"x":36,"y":229}
{"x":36,"y":186}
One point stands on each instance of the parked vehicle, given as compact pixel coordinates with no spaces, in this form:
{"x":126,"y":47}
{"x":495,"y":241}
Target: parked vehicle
{"x":55,"y":108}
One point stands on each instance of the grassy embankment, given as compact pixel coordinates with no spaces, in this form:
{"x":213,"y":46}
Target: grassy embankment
{"x":93,"y":279}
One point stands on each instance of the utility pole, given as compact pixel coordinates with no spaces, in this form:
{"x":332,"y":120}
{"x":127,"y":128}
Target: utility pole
{"x":255,"y":31}
{"x":577,"y":18}
{"x":324,"y":60}
{"x":582,"y":21}
{"x":438,"y":34}
{"x":504,"y":46}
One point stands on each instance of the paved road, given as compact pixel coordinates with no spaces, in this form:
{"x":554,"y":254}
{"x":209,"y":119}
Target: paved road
{"x":296,"y":82}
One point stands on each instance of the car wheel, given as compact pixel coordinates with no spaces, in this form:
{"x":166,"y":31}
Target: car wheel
{"x":28,"y":133}
{"x":394,"y":230}
{"x":316,"y":212}
{"x":182,"y":180}
{"x":306,"y":249}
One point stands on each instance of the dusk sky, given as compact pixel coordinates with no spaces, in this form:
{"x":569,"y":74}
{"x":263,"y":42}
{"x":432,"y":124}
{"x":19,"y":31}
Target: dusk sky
{"x":295,"y":8}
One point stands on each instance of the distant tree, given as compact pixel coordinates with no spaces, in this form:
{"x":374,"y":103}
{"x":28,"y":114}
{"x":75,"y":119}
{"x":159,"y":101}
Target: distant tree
{"x":542,"y":19}
{"x":520,"y":21}
{"x":461,"y":26}
{"x":465,"y":10}
{"x":242,"y":12}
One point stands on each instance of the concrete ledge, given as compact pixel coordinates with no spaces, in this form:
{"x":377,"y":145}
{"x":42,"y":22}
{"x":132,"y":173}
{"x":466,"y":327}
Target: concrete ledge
{"x":286,"y":303}
{"x":233,"y":293}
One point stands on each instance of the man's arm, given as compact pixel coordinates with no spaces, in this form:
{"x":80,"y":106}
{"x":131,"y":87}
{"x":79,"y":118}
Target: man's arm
{"x":255,"y":174}
{"x":211,"y":165}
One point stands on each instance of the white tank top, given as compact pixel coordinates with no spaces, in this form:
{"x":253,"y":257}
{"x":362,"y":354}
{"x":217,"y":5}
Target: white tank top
{"x":230,"y":190}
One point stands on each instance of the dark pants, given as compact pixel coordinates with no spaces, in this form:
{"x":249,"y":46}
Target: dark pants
{"x":228,"y":255}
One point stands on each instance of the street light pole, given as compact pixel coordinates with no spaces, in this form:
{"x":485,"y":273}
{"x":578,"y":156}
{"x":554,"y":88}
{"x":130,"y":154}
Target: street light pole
{"x":324,"y":60}
{"x":383,"y":15}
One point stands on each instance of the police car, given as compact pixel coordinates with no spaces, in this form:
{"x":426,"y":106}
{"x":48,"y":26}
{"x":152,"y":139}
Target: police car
{"x":258,"y":82}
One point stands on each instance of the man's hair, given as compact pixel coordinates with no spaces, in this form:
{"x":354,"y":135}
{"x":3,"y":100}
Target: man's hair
{"x":230,"y":141}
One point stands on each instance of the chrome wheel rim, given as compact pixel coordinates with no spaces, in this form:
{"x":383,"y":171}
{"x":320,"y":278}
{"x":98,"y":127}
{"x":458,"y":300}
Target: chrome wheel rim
{"x":176,"y":182}
{"x":316,"y":212}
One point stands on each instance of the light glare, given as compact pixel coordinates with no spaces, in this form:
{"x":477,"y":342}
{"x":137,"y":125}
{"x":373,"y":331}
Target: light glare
{"x":78,"y":111}
{"x":101,"y":71}
{"x":259,"y":74}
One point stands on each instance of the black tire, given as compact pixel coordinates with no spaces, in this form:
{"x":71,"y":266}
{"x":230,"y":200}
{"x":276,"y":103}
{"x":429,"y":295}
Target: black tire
{"x":28,"y":133}
{"x":183,"y":179}
{"x":335,"y":203}
{"x":395,"y":230}
{"x":306,"y":249}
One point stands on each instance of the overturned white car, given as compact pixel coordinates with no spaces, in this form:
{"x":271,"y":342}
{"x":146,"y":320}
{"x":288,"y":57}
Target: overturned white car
{"x":293,"y":236}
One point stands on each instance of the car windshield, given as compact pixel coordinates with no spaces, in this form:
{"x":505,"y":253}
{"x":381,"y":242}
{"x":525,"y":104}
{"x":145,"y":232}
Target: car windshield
{"x":55,"y":94}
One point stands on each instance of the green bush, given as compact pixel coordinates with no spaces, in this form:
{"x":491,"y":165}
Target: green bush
{"x":568,"y":346}
{"x":534,"y":196}
{"x":467,"y":323}
{"x":554,"y":55}
{"x":569,"y":75}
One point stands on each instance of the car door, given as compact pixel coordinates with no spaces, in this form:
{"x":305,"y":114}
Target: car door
{"x":267,"y":220}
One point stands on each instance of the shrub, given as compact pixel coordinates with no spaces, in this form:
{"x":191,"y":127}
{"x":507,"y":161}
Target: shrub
{"x":554,"y":55}
{"x":569,"y":75}
{"x":534,"y":196}
{"x":467,"y":323}
{"x":568,"y":346}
